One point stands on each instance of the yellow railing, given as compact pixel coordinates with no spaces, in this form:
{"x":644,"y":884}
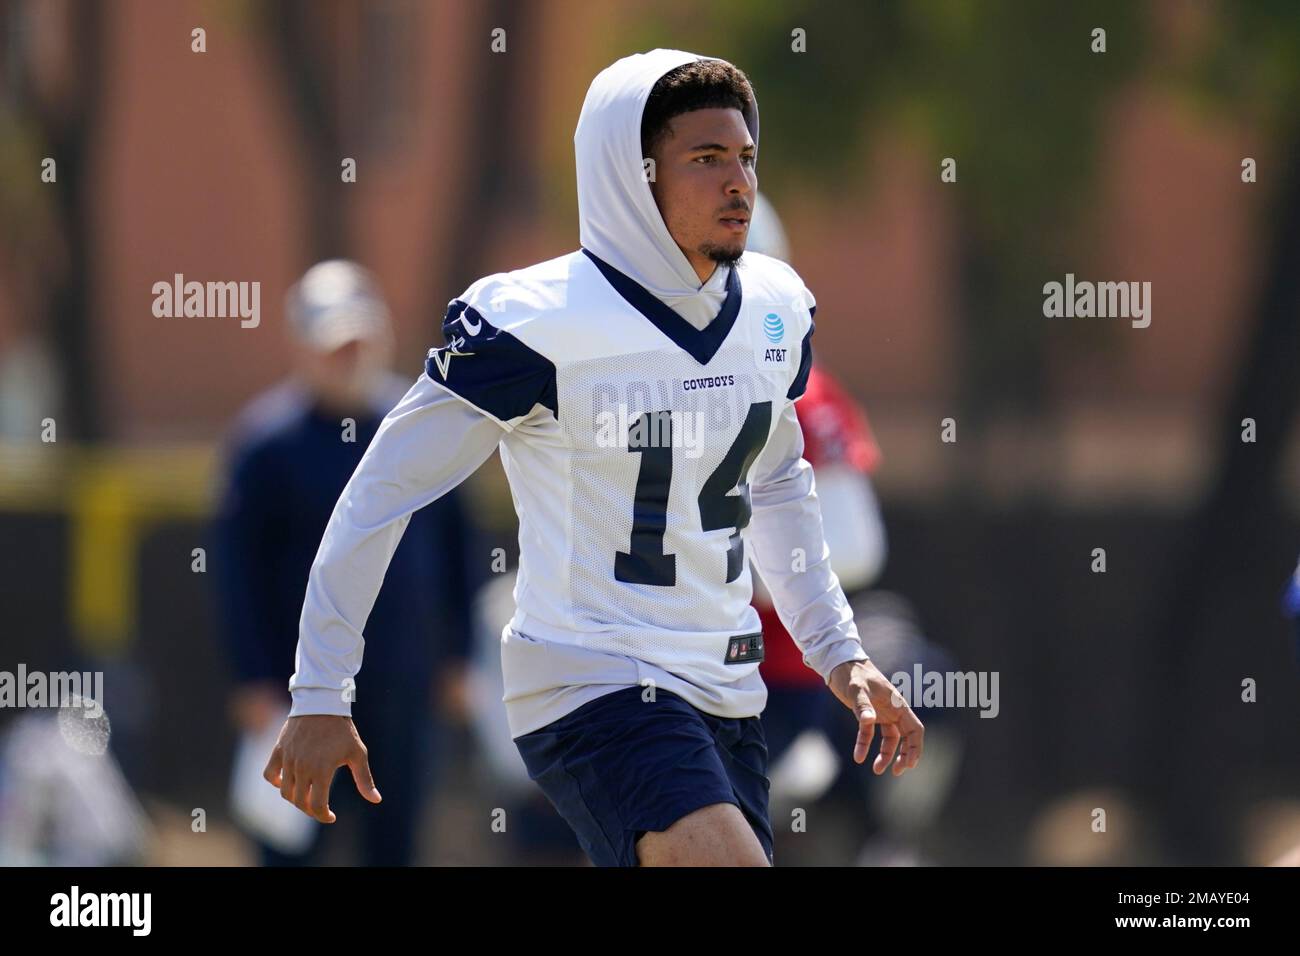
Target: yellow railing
{"x":111,"y":495}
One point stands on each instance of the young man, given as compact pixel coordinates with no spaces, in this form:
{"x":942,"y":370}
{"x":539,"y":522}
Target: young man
{"x":641,"y":393}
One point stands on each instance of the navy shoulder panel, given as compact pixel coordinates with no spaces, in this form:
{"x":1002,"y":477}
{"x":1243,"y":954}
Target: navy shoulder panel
{"x":490,"y":368}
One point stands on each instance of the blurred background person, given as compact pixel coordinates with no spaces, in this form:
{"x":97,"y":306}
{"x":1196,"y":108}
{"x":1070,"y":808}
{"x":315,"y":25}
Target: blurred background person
{"x":290,"y":454}
{"x":63,"y":798}
{"x":805,"y":737}
{"x":839,"y":445}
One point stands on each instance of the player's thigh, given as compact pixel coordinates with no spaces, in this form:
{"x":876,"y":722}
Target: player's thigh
{"x":716,"y":835}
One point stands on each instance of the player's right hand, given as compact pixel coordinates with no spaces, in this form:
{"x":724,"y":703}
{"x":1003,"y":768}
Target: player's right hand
{"x":310,"y":749}
{"x":867,"y":692}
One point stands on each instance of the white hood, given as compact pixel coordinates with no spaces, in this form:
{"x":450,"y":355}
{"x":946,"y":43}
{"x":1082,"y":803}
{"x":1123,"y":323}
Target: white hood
{"x":618,"y":219}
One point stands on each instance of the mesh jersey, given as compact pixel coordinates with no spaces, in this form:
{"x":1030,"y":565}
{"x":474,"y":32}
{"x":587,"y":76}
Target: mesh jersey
{"x":631,"y":438}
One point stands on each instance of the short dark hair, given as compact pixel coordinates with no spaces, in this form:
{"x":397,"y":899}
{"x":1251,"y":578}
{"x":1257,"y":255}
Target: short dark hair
{"x":699,"y":85}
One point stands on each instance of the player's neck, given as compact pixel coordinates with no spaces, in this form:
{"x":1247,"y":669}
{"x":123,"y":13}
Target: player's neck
{"x":704,"y":270}
{"x":704,"y":266}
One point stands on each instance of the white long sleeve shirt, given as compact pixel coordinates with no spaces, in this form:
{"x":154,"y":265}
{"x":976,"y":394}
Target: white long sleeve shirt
{"x":398,"y":475}
{"x":645,"y":424}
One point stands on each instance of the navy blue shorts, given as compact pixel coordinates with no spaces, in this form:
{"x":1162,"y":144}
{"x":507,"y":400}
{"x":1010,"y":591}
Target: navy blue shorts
{"x":618,"y":767}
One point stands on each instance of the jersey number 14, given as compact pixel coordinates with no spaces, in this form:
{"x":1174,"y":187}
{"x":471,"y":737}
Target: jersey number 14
{"x":645,"y":561}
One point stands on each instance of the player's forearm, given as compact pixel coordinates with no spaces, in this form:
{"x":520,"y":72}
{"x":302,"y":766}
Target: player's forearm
{"x":789,"y":549}
{"x":426,"y":446}
{"x":341,"y":590}
{"x":787,"y":543}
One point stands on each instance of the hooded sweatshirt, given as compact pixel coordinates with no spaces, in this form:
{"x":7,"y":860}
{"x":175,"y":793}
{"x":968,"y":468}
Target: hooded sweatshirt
{"x":618,"y":218}
{"x":610,"y":592}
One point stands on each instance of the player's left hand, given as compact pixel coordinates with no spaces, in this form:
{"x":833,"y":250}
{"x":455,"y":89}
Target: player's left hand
{"x":863,"y":689}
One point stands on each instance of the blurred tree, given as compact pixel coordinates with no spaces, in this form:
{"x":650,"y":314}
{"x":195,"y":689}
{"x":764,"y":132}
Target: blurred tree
{"x":345,"y":67}
{"x":304,"y":42}
{"x":53,"y":65}
{"x":1009,"y":89}
{"x":1249,"y":66}
{"x":499,"y":189}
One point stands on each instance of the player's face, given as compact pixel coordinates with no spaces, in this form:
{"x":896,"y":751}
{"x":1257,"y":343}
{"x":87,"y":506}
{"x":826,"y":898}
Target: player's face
{"x":343,"y":377}
{"x":704,"y":184}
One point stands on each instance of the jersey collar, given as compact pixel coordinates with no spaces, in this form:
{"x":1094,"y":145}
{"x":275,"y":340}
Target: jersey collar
{"x":701,"y":344}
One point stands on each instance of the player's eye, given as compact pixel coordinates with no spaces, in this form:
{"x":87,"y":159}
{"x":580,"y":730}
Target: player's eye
{"x":708,"y":158}
{"x":748,"y":158}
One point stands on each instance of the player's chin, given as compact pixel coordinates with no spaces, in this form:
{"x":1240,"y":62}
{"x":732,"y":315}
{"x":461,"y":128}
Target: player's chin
{"x":725,"y":250}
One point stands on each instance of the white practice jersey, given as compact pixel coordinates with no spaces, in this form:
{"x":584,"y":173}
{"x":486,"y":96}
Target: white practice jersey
{"x":650,"y":459}
{"x":631,"y":440}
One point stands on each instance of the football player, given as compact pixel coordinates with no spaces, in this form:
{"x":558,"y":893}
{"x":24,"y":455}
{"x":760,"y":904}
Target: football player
{"x":640,"y":392}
